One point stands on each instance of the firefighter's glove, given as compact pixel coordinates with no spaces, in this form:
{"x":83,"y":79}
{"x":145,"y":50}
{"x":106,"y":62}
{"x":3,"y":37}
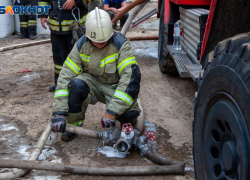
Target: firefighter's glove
{"x":108,"y":120}
{"x":58,"y":123}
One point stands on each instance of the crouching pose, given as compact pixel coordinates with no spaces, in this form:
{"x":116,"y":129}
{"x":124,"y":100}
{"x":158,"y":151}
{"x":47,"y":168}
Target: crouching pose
{"x":101,"y":67}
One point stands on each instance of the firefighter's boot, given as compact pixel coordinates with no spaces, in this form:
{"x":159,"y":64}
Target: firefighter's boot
{"x":52,"y":88}
{"x":67,"y":136}
{"x":32,"y":32}
{"x":24,"y":32}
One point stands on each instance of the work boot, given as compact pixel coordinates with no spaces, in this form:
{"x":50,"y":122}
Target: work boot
{"x":32,"y":32}
{"x":52,"y":88}
{"x":24,"y":32}
{"x":32,"y":36}
{"x":67,"y":136}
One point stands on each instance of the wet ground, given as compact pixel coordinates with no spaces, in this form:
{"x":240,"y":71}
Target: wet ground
{"x":26,"y":106}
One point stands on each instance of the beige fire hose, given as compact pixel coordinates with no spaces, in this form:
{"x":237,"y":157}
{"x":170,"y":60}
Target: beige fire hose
{"x":87,"y":170}
{"x":34,"y":155}
{"x":132,"y":38}
{"x":132,"y":16}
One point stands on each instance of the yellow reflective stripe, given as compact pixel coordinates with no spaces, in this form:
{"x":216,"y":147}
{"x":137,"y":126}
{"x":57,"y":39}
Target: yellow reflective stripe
{"x":126,"y":62}
{"x":85,"y":57}
{"x":31,"y":22}
{"x":108,"y":59}
{"x":72,"y":65}
{"x":57,"y":28}
{"x":123,"y":96}
{"x":77,"y":123}
{"x":65,"y":22}
{"x":83,"y":19}
{"x":62,"y":92}
{"x":24,"y":24}
{"x":42,"y":3}
{"x":59,"y":67}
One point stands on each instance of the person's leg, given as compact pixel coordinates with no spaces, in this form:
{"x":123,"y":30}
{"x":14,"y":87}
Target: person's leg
{"x":23,"y":21}
{"x":69,"y":38}
{"x":83,"y":90}
{"x":60,"y":52}
{"x":124,"y":19}
{"x":32,"y":21}
{"x":78,"y":103}
{"x":111,"y":14}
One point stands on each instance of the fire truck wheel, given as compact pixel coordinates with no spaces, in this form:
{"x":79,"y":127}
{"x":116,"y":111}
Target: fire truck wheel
{"x":221,"y":143}
{"x":165,"y":61}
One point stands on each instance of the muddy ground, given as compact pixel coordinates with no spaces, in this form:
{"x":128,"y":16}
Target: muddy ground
{"x":26,"y":107}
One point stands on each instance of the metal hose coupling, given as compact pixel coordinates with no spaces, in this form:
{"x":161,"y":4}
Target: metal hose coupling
{"x":142,"y":143}
{"x":127,"y":138}
{"x":110,"y":137}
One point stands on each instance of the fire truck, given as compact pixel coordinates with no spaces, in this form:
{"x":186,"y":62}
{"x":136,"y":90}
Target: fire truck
{"x":216,"y":54}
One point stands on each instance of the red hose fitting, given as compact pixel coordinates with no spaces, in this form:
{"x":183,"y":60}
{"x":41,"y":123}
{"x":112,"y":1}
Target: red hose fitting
{"x":127,"y":128}
{"x":151,"y":135}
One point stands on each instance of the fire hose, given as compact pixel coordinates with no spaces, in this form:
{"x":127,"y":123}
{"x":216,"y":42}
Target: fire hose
{"x":86,"y":170}
{"x":173,"y":167}
{"x":111,"y":136}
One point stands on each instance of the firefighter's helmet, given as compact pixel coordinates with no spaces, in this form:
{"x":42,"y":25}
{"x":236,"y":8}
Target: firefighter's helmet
{"x":98,"y":26}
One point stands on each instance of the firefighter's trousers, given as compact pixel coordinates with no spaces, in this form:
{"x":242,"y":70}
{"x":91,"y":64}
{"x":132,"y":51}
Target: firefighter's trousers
{"x":84,"y":90}
{"x":61,"y":47}
{"x":28,"y":22}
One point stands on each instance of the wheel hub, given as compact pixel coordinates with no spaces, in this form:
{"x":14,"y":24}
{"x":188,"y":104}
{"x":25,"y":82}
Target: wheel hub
{"x":225,"y":146}
{"x":229,"y":157}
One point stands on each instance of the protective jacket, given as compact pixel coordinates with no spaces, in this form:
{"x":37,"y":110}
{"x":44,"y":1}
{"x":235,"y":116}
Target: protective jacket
{"x":115,"y":64}
{"x":59,"y":20}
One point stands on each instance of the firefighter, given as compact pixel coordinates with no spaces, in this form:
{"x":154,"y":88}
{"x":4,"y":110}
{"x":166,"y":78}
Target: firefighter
{"x":100,"y":68}
{"x":28,"y":22}
{"x":62,"y":14}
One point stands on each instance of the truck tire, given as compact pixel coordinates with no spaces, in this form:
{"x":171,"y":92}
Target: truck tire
{"x":222,"y":113}
{"x":165,"y":61}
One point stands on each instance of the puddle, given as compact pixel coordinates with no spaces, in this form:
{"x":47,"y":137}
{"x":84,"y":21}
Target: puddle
{"x":46,"y":177}
{"x":149,"y":126}
{"x":111,"y":152}
{"x":48,"y":153}
{"x":183,"y":153}
{"x":150,"y":53}
{"x":30,"y":76}
{"x":8,"y":127}
{"x":23,"y":151}
{"x":189,"y":169}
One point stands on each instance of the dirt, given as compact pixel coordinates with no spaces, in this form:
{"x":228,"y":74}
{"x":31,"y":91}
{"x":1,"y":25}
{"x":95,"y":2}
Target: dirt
{"x":26,"y":107}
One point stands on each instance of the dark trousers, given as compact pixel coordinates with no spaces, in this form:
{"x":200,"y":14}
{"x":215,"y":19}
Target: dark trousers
{"x":61,"y":47}
{"x":28,"y":22}
{"x":122,"y":20}
{"x":111,"y":14}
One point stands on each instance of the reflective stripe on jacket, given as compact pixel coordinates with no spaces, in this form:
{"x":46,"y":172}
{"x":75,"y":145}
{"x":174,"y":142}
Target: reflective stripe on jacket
{"x":115,"y":64}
